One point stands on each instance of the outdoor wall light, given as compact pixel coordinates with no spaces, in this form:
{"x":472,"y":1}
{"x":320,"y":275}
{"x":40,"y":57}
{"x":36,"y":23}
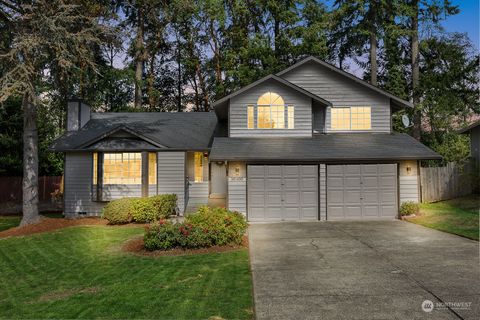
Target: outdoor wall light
{"x":409,"y":170}
{"x":237,"y":171}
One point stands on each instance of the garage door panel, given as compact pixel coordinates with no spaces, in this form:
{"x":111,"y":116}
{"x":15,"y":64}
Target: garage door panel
{"x":309,"y":183}
{"x":387,"y":181}
{"x":256,"y":184}
{"x":370,"y":182}
{"x":353,"y":211}
{"x":352,"y":182}
{"x":274,"y":171}
{"x":273,"y":184}
{"x":370,"y":169}
{"x":352,"y":197}
{"x":310,"y":213}
{"x":309,"y":198}
{"x":335,"y":197}
{"x":289,"y":192}
{"x":291,"y":183}
{"x":365,"y":191}
{"x":335,"y":182}
{"x":352,"y":169}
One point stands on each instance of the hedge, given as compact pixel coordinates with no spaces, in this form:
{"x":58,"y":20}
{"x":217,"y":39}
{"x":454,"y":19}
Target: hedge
{"x":207,"y":227}
{"x":141,"y":210}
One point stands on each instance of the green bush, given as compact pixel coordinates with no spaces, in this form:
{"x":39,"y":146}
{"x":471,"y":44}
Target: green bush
{"x":142,"y":210}
{"x":208,"y":227}
{"x":408,"y":208}
{"x":224,"y":226}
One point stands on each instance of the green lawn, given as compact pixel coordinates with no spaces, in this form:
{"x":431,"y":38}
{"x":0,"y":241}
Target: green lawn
{"x":458,"y":216}
{"x":7,"y":222}
{"x":80,"y":272}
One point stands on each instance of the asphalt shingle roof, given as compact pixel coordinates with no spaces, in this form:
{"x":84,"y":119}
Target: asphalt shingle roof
{"x":329,"y":147}
{"x":178,"y":131}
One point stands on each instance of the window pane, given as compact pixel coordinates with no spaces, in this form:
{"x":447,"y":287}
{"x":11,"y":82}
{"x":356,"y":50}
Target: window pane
{"x":291,"y":118}
{"x":122,"y":168}
{"x":152,"y":168}
{"x":277,"y":117}
{"x":340,"y":118}
{"x":361,"y":118}
{"x":250,"y":118}
{"x":263,"y":118}
{"x":198,"y":166}
{"x":95,"y":167}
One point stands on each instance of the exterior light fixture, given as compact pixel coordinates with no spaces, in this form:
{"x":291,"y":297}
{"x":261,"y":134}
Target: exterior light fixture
{"x":409,"y":170}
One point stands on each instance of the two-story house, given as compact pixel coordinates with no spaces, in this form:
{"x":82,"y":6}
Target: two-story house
{"x":309,"y":143}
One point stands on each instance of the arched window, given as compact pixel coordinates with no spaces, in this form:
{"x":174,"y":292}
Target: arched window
{"x":270,"y":110}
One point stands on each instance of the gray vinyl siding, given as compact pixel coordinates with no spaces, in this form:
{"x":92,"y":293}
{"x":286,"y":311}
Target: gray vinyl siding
{"x":237,"y":195}
{"x":238,"y":112}
{"x":323,"y":191}
{"x":171,"y":175}
{"x":341,"y":91}
{"x":118,"y":191}
{"x":78,"y":186}
{"x":318,"y":113}
{"x":475,"y":144}
{"x":408,"y":189}
{"x":198,"y":193}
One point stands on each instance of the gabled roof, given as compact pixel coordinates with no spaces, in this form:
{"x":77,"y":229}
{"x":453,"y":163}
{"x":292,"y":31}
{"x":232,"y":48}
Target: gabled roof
{"x":400,"y":102}
{"x":470,"y":127}
{"x":278,"y":79}
{"x":336,"y":147}
{"x":157,"y":130}
{"x":273,"y":77}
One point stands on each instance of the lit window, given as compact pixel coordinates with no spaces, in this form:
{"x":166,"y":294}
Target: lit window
{"x":122,"y":168}
{"x":270,"y":113}
{"x":95,"y":167}
{"x":354,"y":118}
{"x":152,"y":168}
{"x":250,"y":117}
{"x":361,"y":118}
{"x":291,"y":118}
{"x":198,"y":166}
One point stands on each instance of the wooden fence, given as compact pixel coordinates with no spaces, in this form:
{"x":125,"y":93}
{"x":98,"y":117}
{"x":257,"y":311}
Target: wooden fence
{"x":11,"y":188}
{"x":442,"y":183}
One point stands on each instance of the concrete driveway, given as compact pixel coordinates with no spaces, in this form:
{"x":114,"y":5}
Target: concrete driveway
{"x":362,"y":270}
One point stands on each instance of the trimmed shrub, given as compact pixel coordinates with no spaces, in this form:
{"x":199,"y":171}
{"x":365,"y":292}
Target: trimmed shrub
{"x":208,"y":227}
{"x":224,"y":226}
{"x":142,"y":210}
{"x":408,"y":208}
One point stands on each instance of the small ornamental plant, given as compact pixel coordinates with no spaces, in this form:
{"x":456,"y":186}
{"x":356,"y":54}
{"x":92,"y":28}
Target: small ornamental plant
{"x":409,"y":208}
{"x":206,"y":228}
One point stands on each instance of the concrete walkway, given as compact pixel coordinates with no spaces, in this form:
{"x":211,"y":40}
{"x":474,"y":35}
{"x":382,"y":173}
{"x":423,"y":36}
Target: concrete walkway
{"x":362,"y":270}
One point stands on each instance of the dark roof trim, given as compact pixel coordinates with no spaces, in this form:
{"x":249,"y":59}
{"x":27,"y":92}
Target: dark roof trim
{"x":470,"y":127}
{"x":117,"y":129}
{"x":278,"y":79}
{"x":331,"y":67}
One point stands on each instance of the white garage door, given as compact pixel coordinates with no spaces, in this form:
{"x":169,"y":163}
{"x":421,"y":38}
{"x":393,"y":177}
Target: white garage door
{"x":287,"y":192}
{"x":364,"y":191}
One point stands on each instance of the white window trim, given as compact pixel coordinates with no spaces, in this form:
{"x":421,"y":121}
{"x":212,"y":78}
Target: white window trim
{"x":285,"y":116}
{"x":350,"y":113}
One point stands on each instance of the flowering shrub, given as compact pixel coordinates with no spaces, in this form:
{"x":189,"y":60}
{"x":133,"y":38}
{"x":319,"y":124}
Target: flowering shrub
{"x":208,"y":227}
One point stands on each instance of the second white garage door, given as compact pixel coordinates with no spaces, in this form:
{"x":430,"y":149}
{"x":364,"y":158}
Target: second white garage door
{"x":282,"y":192}
{"x":363,"y":191}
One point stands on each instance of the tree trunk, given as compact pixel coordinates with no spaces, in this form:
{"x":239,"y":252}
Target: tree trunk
{"x":373,"y":58}
{"x":139,"y":59}
{"x":30,"y":163}
{"x":417,"y":117}
{"x":179,"y":79}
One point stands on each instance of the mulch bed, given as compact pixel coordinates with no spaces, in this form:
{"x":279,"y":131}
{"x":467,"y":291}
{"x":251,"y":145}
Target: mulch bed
{"x":136,"y":247}
{"x":50,"y":224}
